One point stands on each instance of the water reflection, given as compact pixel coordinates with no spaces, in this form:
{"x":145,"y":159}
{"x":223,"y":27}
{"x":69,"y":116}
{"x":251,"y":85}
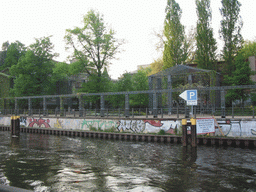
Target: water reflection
{"x":58,"y":163}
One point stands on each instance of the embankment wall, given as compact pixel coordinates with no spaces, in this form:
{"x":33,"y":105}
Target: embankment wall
{"x":231,"y":128}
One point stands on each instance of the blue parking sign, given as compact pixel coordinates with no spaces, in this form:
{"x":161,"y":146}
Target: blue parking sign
{"x":191,"y":95}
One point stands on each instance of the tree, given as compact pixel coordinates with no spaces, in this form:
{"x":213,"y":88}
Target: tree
{"x":140,"y":83}
{"x":94,"y":46}
{"x":156,"y":66}
{"x":13,"y":54}
{"x":231,"y":25}
{"x":248,"y":49}
{"x":206,"y":44}
{"x":241,"y":76}
{"x":175,"y":48}
{"x":34,"y":69}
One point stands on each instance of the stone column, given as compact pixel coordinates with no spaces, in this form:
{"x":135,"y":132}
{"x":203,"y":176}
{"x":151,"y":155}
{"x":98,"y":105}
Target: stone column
{"x":127,"y":106}
{"x":169,"y":94}
{"x":29,"y":106}
{"x":155,"y":105}
{"x":16,"y":107}
{"x":102,"y":106}
{"x":44,"y":106}
{"x":81,"y":105}
{"x":61,"y":106}
{"x":150,"y":95}
{"x":222,"y":94}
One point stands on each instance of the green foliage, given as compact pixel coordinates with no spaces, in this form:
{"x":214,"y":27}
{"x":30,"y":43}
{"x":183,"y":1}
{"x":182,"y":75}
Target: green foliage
{"x":156,"y":66}
{"x":248,"y":49}
{"x":94,"y":46}
{"x":241,"y":76}
{"x":34,"y":69}
{"x":230,"y":31}
{"x":206,"y":44}
{"x":161,"y":132}
{"x":13,"y":53}
{"x":176,"y":46}
{"x":140,"y":83}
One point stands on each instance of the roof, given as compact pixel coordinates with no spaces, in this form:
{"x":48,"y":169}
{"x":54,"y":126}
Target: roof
{"x":180,"y":70}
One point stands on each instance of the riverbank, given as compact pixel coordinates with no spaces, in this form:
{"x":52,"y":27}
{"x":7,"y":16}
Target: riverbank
{"x":176,"y":139}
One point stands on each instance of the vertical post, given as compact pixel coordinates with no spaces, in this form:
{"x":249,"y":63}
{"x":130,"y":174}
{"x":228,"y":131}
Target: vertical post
{"x":4,"y":107}
{"x":193,"y":133}
{"x":184,"y":132}
{"x":80,"y":100}
{"x":222,"y":94}
{"x":150,"y":95}
{"x":61,"y":106}
{"x":178,"y":115}
{"x":232,"y":110}
{"x":127,"y":107}
{"x":102,"y":105}
{"x":29,"y":106}
{"x":169,"y":94}
{"x":16,"y":107}
{"x":146,"y":112}
{"x":44,"y":106}
{"x":132,"y":113}
{"x":15,"y":126}
{"x":154,"y":105}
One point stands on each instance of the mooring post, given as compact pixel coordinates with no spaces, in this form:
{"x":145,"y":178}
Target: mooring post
{"x":184,"y":132}
{"x":15,"y":126}
{"x":193,"y":133}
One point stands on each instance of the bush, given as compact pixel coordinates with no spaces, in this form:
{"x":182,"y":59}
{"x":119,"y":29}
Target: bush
{"x":161,"y":132}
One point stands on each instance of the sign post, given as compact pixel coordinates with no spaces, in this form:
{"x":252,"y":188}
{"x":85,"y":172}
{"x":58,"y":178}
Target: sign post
{"x":190,"y":96}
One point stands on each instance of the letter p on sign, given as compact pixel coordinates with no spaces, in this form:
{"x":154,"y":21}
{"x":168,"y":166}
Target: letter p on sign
{"x":192,"y":95}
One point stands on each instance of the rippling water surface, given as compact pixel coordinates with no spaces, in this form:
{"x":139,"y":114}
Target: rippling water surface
{"x":58,"y":163}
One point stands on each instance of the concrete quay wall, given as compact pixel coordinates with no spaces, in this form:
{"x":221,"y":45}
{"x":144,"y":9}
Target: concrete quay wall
{"x":229,"y":127}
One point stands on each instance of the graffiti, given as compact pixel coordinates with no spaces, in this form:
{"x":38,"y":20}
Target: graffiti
{"x":39,"y":123}
{"x":253,"y":132}
{"x":58,"y":124}
{"x":230,"y":128}
{"x":23,"y":121}
{"x":98,"y":124}
{"x":5,"y":121}
{"x":132,"y":125}
{"x":155,"y":123}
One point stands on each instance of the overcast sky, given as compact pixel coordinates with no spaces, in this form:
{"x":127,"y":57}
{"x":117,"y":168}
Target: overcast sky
{"x":133,"y":20}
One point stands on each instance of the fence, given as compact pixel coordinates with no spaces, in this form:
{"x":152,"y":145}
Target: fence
{"x":171,"y":108}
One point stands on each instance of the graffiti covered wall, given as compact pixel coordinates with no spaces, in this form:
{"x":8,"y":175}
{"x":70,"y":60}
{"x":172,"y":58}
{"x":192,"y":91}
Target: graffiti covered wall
{"x":231,"y":128}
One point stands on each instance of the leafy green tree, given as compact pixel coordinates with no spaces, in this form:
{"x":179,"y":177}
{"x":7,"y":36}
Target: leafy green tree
{"x":34,"y":69}
{"x":140,"y":83}
{"x":248,"y":49}
{"x":176,"y":46}
{"x":92,"y":86}
{"x":241,"y":76}
{"x":206,"y":44}
{"x":14,"y":52}
{"x":5,"y":46}
{"x":156,"y":66}
{"x":230,"y":32}
{"x":94,"y":46}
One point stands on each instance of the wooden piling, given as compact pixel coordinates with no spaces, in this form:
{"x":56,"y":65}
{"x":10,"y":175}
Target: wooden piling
{"x":184,"y":133}
{"x":193,"y":133}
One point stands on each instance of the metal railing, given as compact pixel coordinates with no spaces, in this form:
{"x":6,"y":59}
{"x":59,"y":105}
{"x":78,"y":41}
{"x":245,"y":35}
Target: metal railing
{"x":176,"y":112}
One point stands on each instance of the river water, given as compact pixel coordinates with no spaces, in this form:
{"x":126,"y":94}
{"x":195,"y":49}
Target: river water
{"x":59,"y":163}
